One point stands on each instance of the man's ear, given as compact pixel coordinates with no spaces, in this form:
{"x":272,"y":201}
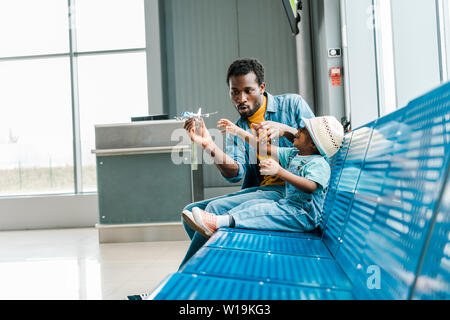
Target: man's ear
{"x":262,"y":87}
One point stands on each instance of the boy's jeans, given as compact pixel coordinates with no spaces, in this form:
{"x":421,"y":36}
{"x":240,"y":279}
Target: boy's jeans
{"x":222,"y":204}
{"x":265,"y":214}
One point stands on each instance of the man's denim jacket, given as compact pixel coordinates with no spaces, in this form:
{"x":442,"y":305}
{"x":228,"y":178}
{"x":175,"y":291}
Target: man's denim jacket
{"x":287,"y":109}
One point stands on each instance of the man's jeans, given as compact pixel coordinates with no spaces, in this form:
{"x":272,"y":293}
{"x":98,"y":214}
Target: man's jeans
{"x":222,"y":204}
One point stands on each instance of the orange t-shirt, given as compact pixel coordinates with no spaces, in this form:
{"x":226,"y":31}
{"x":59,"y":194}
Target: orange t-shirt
{"x":258,"y":117}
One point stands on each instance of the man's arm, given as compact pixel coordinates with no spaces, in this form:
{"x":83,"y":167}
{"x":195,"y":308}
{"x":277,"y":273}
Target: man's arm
{"x":224,"y":163}
{"x":227,"y":166}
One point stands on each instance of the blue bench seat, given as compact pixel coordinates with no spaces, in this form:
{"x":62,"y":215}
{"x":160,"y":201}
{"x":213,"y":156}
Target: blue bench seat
{"x":184,"y":286}
{"x":268,"y":267}
{"x":269,"y":243}
{"x":384,"y":233}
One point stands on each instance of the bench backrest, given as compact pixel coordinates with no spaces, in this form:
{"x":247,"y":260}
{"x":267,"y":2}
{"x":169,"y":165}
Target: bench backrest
{"x":434,"y":279}
{"x":337,"y":163}
{"x":338,"y":206}
{"x":386,"y":200}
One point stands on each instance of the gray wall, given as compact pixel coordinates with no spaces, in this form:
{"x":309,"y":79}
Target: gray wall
{"x":203,"y":37}
{"x":305,"y":65}
{"x":326,"y":34}
{"x":155,"y":58}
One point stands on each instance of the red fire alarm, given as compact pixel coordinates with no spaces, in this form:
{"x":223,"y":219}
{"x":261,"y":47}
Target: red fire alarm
{"x":336,"y":75}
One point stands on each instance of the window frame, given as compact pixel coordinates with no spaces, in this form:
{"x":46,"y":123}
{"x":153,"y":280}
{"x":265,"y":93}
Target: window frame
{"x":73,"y":54}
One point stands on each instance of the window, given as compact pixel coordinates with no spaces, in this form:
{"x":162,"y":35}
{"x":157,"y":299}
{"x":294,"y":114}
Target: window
{"x":36,"y":127}
{"x":385,"y":57}
{"x":29,"y":27}
{"x":45,"y":80}
{"x":416,"y":46}
{"x":444,"y":27}
{"x":112,"y":88}
{"x":112,"y":73}
{"x":411,"y":48}
{"x":110,"y":24}
{"x":395,"y":51}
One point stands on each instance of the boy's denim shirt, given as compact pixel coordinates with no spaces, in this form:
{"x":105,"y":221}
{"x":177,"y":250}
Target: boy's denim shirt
{"x":313,"y":167}
{"x":287,"y":109}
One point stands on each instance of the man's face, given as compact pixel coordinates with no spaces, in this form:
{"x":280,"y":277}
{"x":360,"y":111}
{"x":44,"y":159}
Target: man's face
{"x":246,"y":94}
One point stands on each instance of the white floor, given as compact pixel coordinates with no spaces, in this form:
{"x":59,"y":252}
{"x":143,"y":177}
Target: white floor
{"x":71,"y":264}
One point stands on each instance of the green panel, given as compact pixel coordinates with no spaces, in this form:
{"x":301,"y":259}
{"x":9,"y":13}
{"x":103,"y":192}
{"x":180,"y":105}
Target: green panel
{"x":142,"y":188}
{"x":264,"y":32}
{"x":203,"y":37}
{"x":202,"y":41}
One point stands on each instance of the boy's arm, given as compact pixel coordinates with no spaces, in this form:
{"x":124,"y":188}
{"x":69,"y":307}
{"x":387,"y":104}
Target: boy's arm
{"x":271,"y":167}
{"x":251,"y":139}
{"x":261,"y":148}
{"x":298,"y":182}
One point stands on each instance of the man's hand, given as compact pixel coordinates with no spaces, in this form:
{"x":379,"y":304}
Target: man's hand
{"x":198,"y":134}
{"x":268,"y":130}
{"x":269,"y":167}
{"x":201,"y":136}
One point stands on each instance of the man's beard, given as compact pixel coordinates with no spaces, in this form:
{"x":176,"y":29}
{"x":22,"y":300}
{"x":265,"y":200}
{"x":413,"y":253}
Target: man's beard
{"x":252,"y":111}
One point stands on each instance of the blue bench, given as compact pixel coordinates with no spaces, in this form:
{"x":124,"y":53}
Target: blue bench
{"x":384,"y":232}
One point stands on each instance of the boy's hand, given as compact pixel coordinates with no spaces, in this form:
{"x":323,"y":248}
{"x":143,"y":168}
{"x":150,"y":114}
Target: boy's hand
{"x":269,"y":167}
{"x":268,"y":130}
{"x":228,"y":126}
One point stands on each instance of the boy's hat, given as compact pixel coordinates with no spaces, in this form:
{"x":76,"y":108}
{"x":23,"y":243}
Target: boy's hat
{"x":327,"y":133}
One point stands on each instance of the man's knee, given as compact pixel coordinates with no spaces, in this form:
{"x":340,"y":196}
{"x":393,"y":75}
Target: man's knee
{"x":189,"y":207}
{"x":200,"y":204}
{"x":218,"y":207}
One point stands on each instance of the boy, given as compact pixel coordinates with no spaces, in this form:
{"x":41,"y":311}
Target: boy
{"x":305,"y":170}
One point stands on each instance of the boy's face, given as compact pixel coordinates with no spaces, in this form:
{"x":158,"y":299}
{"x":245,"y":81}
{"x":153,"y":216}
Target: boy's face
{"x":246,"y":94}
{"x":302,"y":140}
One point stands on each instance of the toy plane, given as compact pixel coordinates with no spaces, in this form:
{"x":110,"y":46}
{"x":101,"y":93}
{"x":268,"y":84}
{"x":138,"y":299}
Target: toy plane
{"x":186,"y":115}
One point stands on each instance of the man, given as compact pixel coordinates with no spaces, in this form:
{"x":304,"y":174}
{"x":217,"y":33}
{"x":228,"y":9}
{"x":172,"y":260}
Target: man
{"x":271,"y":116}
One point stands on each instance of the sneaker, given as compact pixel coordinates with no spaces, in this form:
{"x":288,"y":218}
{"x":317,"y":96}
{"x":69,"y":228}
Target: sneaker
{"x":205,"y":222}
{"x":141,"y":296}
{"x":189,"y":219}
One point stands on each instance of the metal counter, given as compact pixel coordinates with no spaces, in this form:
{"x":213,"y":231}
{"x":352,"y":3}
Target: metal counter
{"x":137,"y":178}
